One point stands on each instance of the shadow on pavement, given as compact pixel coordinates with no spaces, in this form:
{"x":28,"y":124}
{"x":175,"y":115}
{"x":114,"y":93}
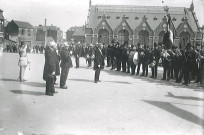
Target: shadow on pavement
{"x":34,"y":84}
{"x":156,"y":81}
{"x":182,"y":97}
{"x":117,"y":82}
{"x":9,"y":80}
{"x":81,"y":80}
{"x":34,"y":93}
{"x":177,"y":111}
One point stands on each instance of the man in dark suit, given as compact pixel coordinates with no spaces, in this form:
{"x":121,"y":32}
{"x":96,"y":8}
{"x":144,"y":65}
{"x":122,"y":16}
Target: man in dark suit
{"x":77,"y":54}
{"x":155,"y":56}
{"x":50,"y":69}
{"x":98,"y":62}
{"x":66,"y":64}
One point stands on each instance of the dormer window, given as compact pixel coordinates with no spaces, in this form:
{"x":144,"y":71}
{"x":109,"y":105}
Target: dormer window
{"x":126,"y":17}
{"x":118,"y":17}
{"x":108,"y":17}
{"x":99,"y":17}
{"x":155,"y":18}
{"x":136,"y":18}
{"x":174,"y":19}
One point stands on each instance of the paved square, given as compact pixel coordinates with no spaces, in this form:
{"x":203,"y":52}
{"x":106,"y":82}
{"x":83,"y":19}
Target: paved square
{"x":120,"y":104}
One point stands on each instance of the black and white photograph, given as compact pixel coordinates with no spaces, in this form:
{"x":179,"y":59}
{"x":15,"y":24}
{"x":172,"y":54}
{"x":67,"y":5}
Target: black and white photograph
{"x":101,"y":67}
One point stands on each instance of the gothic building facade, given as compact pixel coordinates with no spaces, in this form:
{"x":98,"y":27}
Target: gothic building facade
{"x":141,"y":24}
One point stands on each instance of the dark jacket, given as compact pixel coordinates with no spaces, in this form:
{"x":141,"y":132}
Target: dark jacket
{"x":66,"y":61}
{"x":50,"y":63}
{"x":98,"y":60}
{"x":57,"y":60}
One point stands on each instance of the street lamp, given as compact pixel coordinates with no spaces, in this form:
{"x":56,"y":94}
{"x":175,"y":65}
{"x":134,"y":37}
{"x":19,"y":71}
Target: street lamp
{"x":202,"y":32}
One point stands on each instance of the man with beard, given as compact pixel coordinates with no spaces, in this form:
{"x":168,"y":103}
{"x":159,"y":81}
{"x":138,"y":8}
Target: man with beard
{"x":50,"y":68}
{"x":66,"y":64}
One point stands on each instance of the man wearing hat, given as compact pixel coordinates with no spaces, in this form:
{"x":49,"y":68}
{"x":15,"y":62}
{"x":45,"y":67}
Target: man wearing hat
{"x":50,"y":68}
{"x":66,"y":64}
{"x":77,"y":54}
{"x":155,"y":56}
{"x":189,"y":58}
{"x":98,"y":62}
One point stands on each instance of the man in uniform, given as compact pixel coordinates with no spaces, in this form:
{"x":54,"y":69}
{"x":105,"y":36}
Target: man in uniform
{"x":98,"y":62}
{"x":145,"y":61}
{"x":189,"y":58}
{"x":66,"y":64}
{"x":124,"y":57}
{"x":155,"y":56}
{"x":140,"y":57}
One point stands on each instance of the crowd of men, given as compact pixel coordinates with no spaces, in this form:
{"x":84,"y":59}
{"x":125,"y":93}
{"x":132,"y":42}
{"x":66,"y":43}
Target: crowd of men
{"x":181,"y":65}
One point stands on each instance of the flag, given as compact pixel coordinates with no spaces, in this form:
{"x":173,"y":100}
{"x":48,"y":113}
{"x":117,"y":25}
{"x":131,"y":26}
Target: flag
{"x":168,"y":36}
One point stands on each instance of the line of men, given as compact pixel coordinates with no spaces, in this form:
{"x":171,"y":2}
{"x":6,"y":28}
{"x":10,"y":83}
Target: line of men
{"x":183,"y":65}
{"x":54,"y":59}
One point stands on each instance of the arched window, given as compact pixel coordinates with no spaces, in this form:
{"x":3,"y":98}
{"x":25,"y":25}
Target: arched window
{"x":123,"y":36}
{"x":143,"y":37}
{"x":103,"y":36}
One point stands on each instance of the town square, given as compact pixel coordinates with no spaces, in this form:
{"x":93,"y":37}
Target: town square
{"x":123,"y":68}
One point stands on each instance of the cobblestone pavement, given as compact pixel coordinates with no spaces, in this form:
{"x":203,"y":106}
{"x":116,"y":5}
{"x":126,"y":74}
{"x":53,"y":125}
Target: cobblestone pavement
{"x":120,"y":104}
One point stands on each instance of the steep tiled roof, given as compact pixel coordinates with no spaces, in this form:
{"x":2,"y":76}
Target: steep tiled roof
{"x":79,"y":32}
{"x":21,"y":24}
{"x":135,"y":15}
{"x":75,"y":28}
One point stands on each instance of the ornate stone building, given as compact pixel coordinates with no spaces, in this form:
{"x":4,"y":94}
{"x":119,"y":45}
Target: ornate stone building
{"x":140,"y":24}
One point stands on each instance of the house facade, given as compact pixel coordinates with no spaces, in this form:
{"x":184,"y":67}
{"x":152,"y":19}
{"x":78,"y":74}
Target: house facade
{"x":1,"y":27}
{"x":141,"y":24}
{"x":43,"y":34}
{"x":76,"y":34}
{"x":21,"y":32}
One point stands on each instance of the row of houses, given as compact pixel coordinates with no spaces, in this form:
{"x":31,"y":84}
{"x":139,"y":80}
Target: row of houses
{"x":23,"y":32}
{"x":138,"y":24}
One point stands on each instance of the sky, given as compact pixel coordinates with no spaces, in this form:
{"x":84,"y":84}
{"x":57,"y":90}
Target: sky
{"x":68,"y":13}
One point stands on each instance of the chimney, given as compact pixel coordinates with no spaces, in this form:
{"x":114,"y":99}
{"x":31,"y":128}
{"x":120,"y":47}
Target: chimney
{"x":45,"y":21}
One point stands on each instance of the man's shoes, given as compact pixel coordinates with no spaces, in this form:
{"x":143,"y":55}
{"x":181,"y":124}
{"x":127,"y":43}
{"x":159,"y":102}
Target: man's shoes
{"x":137,"y":74}
{"x":95,"y":81}
{"x":163,"y":79}
{"x":49,"y":94}
{"x":151,"y":77}
{"x":63,"y":87}
{"x":55,"y":83}
{"x":55,"y":92}
{"x":142,"y":75}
